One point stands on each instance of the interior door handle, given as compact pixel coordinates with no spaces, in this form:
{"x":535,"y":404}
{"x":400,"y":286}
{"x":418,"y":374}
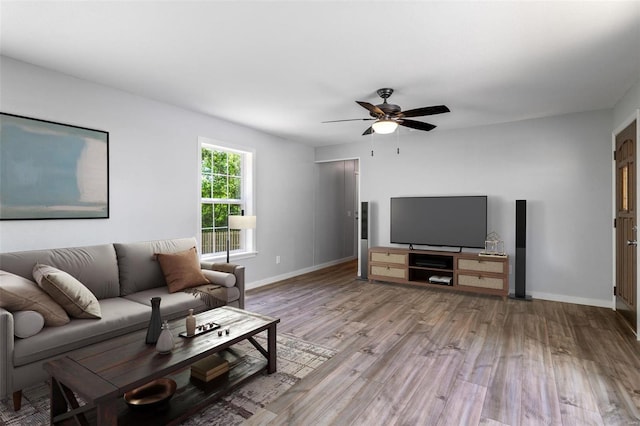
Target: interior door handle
{"x":632,"y":242}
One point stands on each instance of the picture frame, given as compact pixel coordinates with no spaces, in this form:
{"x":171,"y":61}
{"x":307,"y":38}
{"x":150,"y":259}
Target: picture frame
{"x":52,"y":170}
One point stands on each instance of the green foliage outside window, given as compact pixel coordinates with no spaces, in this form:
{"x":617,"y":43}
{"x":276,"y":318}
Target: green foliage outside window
{"x":221,"y":174}
{"x":221,"y":193}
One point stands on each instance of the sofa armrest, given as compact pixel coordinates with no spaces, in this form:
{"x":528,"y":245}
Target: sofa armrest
{"x":237,"y":270}
{"x":6,"y":353}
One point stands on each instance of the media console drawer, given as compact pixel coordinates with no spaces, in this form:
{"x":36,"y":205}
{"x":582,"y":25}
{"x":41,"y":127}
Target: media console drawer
{"x":387,"y":257}
{"x":481,"y":265}
{"x":388,"y":271}
{"x":481,"y":281}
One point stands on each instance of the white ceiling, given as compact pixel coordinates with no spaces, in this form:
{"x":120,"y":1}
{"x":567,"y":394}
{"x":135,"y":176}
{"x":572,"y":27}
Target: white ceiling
{"x":283,"y":67}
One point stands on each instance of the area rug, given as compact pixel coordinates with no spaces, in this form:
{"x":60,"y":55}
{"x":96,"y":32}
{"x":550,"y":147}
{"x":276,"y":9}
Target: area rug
{"x":296,"y":359}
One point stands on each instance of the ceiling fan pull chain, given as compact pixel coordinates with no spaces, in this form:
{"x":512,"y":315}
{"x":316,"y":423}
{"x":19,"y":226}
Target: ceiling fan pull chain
{"x":371,"y":143}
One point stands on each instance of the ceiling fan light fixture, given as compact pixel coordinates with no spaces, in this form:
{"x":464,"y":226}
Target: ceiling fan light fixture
{"x":384,"y":126}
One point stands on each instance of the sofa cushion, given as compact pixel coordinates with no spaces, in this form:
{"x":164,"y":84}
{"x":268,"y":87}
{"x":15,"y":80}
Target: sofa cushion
{"x":70,"y":293}
{"x":139,"y":268}
{"x":27,"y":323}
{"x":175,"y":305}
{"x":94,"y":266}
{"x":221,"y":278}
{"x":119,"y":316}
{"x":20,"y":294}
{"x":172,"y":305}
{"x":181,"y":270}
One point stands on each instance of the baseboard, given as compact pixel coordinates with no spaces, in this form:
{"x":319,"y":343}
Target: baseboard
{"x":275,"y":279}
{"x":601,"y":303}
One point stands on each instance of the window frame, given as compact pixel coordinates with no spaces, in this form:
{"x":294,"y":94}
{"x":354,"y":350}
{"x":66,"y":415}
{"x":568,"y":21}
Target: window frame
{"x":247,"y":199}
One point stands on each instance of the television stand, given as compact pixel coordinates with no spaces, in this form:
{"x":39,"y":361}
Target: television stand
{"x":427,"y":268}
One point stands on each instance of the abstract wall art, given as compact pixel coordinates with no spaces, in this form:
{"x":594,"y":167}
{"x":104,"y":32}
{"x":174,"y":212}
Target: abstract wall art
{"x":52,"y":171}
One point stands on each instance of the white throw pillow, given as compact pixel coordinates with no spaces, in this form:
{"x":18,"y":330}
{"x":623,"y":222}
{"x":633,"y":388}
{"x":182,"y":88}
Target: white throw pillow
{"x":27,"y":323}
{"x":221,"y":278}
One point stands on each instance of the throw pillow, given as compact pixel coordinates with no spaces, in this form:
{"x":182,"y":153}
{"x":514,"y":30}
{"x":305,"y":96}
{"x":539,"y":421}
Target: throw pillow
{"x":20,"y":294}
{"x":27,"y":323}
{"x":181,"y":270}
{"x":221,"y":278}
{"x":70,"y":293}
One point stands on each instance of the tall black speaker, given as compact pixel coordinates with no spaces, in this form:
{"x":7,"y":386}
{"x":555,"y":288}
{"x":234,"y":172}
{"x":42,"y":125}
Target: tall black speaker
{"x":521,"y":252}
{"x":364,"y":240}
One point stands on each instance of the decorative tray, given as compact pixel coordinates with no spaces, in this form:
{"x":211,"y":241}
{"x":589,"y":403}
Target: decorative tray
{"x":201,"y":329}
{"x":499,"y":255}
{"x":153,"y":394}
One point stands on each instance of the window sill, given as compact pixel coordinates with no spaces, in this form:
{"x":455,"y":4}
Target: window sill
{"x":217,"y":258}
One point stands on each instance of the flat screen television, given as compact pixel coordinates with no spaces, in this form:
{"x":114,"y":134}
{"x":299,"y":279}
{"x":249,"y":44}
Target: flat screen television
{"x":459,"y":221}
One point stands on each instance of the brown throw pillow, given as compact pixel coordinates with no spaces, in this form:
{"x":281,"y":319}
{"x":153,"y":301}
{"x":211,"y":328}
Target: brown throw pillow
{"x":181,"y":270}
{"x":70,"y":293}
{"x":20,"y":294}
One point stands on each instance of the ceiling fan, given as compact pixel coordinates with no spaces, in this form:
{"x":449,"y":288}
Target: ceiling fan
{"x":388,"y":116}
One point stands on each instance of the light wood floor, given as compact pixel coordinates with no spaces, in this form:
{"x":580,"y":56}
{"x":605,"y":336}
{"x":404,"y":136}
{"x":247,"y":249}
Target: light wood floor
{"x":412,"y":356}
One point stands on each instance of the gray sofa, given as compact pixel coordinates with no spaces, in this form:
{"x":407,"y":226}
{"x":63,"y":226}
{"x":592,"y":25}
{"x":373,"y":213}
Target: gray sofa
{"x":123,"y":277}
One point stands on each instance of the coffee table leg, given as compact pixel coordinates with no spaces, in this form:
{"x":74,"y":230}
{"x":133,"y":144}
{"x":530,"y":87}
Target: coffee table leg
{"x":107,"y":413}
{"x":63,"y":400}
{"x":271,"y":349}
{"x":58,"y":403}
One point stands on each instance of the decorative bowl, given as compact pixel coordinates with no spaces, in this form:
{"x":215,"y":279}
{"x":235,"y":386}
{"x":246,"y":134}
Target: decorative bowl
{"x":152,"y":394}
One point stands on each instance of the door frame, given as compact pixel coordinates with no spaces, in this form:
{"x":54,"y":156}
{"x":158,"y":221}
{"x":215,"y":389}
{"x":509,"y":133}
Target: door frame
{"x":616,"y":131}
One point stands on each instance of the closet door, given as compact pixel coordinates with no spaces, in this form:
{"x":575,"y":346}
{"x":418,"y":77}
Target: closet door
{"x":335,"y":222}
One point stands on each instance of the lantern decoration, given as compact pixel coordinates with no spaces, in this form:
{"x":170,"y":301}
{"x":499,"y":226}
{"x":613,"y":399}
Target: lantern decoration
{"x":493,"y":245}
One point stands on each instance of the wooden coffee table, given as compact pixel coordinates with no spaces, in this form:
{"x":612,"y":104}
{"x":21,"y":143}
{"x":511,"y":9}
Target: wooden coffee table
{"x":101,"y":373}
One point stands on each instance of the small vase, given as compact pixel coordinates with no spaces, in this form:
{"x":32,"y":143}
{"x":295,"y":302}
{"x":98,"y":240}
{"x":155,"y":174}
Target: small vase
{"x":155,"y":323}
{"x":165,"y":340}
{"x":191,"y":324}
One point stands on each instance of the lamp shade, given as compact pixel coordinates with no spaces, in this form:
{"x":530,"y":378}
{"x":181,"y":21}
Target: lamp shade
{"x":242,"y":222}
{"x":384,"y":126}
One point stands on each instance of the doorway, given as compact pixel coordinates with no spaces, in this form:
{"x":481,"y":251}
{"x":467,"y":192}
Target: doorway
{"x":626,"y":242}
{"x":336,"y":219}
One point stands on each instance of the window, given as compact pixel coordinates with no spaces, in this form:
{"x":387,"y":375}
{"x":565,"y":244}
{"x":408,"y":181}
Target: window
{"x":624,"y":188}
{"x":226,"y":189}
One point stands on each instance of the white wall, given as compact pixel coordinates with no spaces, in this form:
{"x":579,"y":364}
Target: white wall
{"x":560,"y":165}
{"x":153,"y":150}
{"x":627,"y":106}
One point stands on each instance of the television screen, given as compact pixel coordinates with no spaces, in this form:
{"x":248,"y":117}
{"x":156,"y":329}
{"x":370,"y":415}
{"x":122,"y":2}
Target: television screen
{"x":439,"y":221}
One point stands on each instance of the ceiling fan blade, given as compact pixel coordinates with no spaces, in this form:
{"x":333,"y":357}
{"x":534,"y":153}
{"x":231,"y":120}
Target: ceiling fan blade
{"x":419,"y":125}
{"x":368,"y":131}
{"x":349,"y":119}
{"x":419,"y":112}
{"x":372,"y":108}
